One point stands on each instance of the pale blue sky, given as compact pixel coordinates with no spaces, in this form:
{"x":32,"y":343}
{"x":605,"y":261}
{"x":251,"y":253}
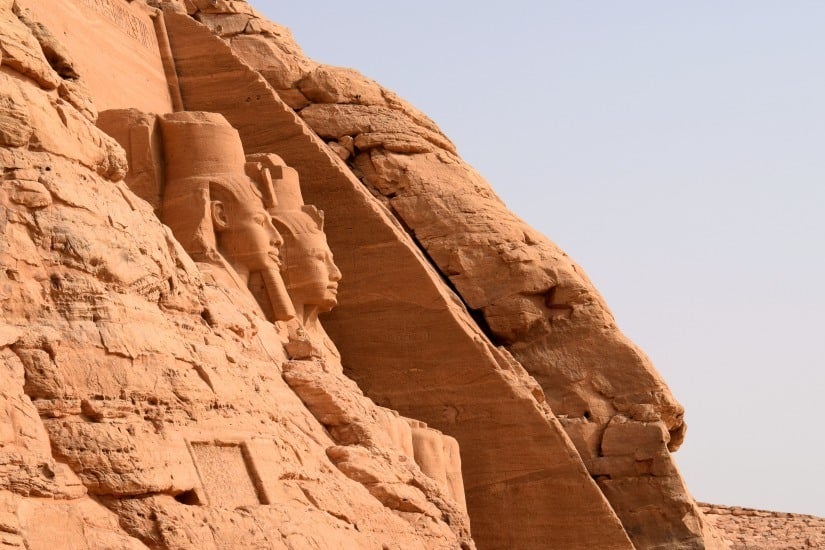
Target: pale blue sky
{"x":675,"y":150}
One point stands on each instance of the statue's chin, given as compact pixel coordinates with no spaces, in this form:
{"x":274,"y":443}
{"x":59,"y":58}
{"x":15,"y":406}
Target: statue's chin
{"x":327,"y":304}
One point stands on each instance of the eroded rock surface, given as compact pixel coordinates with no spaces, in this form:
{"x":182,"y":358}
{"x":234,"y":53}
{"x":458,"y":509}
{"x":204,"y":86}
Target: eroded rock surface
{"x":439,"y":367}
{"x":530,"y":296}
{"x":143,"y":397}
{"x":752,"y":529}
{"x":179,"y":315}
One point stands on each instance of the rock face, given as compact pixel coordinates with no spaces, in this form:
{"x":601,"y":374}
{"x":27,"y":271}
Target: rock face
{"x":451,"y":377}
{"x":750,"y":529}
{"x":196,"y":356}
{"x":526,"y":294}
{"x":145,"y":393}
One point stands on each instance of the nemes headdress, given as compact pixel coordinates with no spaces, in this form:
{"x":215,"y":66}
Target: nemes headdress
{"x":203,"y":155}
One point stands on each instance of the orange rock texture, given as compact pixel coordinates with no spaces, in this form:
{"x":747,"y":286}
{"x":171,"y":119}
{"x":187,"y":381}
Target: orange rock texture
{"x":254,"y":301}
{"x":751,"y":529}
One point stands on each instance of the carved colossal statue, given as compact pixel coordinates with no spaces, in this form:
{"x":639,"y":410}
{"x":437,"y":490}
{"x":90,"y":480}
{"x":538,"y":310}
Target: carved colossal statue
{"x":245,"y":215}
{"x":307,"y":267}
{"x":438,"y":456}
{"x":221,"y":206}
{"x":215,"y":210}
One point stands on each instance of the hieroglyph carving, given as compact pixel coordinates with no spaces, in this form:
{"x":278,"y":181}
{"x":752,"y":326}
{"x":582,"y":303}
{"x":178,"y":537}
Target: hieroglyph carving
{"x":227,"y":474}
{"x":119,"y":14}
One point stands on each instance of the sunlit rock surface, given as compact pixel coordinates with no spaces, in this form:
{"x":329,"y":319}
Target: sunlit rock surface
{"x":254,"y":301}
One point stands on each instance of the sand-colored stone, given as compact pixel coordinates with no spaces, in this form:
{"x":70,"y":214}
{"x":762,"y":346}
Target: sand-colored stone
{"x":22,"y":52}
{"x":139,"y":135}
{"x":752,"y":529}
{"x":451,"y":376}
{"x":439,"y":457}
{"x":167,"y":281}
{"x":531,"y":297}
{"x":112,"y":45}
{"x":152,"y":382}
{"x":222,"y":217}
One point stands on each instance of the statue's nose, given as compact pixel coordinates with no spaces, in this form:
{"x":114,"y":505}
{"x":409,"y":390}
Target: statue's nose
{"x":276,"y":239}
{"x":334,"y":272}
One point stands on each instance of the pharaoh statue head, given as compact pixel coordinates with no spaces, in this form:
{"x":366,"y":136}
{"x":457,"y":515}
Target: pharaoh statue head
{"x":215,"y":210}
{"x":307,"y":267}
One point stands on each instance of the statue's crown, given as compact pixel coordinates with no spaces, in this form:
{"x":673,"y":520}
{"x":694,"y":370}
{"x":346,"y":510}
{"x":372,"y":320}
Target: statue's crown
{"x":286,"y":187}
{"x":200,"y":145}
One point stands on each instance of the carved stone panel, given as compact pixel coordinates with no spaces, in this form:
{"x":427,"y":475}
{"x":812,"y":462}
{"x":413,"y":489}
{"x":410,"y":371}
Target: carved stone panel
{"x":228,"y":476}
{"x":102,"y":34}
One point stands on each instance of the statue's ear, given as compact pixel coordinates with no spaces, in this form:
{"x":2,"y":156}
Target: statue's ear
{"x":219,"y":220}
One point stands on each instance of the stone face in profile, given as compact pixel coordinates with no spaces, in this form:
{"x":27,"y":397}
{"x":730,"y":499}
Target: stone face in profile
{"x":213,"y":207}
{"x":310,"y":273}
{"x":221,"y":205}
{"x":244,"y":232}
{"x":308,"y":268}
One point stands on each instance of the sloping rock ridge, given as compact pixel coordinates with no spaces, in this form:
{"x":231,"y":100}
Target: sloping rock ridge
{"x":254,"y":301}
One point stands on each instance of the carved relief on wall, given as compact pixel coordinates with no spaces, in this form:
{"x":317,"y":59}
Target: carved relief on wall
{"x":228,"y":474}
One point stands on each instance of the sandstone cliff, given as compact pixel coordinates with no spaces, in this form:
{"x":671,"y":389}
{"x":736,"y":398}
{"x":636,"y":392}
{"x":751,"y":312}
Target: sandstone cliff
{"x":524,"y":292}
{"x":188,"y":364}
{"x":144,"y":400}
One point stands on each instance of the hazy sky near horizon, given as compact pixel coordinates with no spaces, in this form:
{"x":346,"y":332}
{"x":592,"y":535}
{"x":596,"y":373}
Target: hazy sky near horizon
{"x":676,"y":150}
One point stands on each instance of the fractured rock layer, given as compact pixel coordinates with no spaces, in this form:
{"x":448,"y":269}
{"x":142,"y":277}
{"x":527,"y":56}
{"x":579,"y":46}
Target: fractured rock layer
{"x":514,"y":452}
{"x":524,"y":291}
{"x":751,"y":529}
{"x":168,"y":378}
{"x":144,"y":403}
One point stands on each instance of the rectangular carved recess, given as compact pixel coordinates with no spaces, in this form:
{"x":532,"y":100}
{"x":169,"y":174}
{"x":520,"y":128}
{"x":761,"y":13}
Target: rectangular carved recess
{"x":228,"y":475}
